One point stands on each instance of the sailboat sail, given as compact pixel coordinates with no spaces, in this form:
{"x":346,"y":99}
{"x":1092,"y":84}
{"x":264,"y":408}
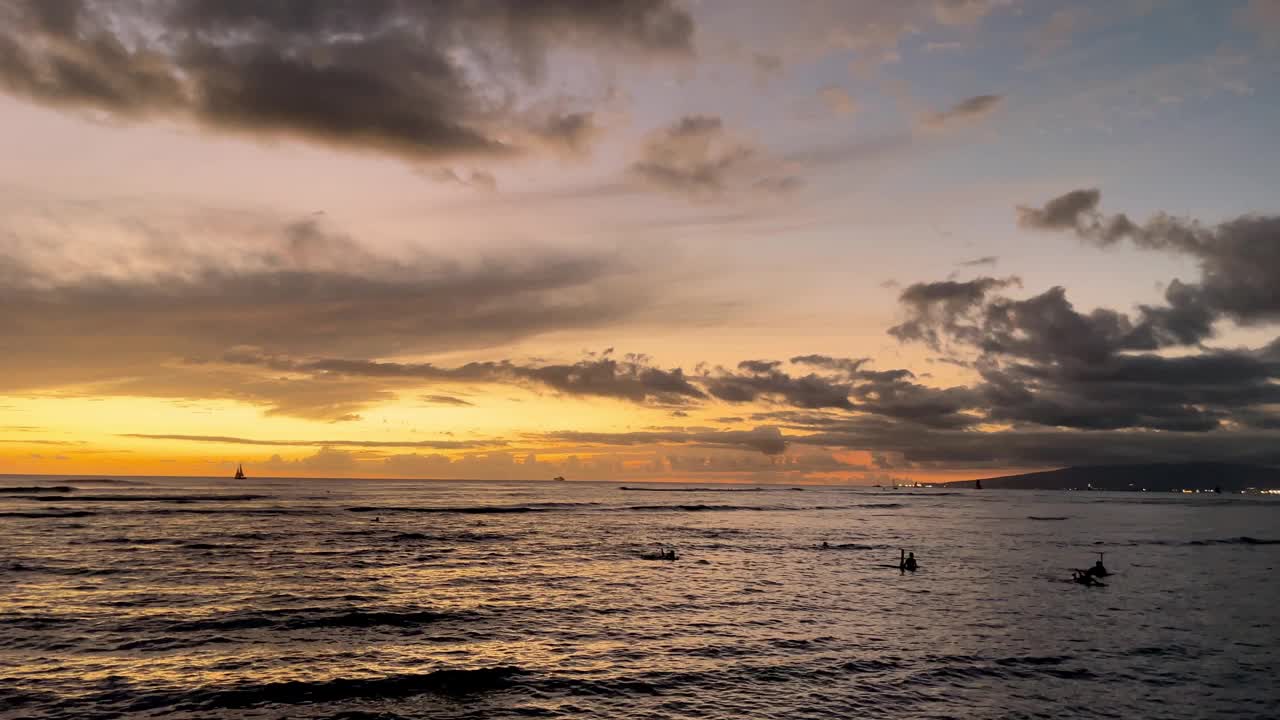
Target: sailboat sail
{"x":239,"y":472}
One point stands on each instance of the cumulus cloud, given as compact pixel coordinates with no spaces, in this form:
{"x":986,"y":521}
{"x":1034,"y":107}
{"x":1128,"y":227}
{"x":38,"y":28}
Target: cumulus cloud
{"x":420,"y":80}
{"x":755,"y":380}
{"x":1043,"y":362}
{"x":965,"y":111}
{"x":940,"y":310}
{"x":1239,"y":259}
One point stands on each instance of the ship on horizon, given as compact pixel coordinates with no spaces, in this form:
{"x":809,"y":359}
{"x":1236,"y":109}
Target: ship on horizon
{"x":239,"y":472}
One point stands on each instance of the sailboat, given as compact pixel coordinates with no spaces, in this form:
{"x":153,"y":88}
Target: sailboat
{"x":239,"y":472}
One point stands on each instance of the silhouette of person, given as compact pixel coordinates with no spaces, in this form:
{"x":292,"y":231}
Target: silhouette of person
{"x":1084,"y":577}
{"x":1098,"y":569}
{"x":910,"y":562}
{"x":826,"y":545}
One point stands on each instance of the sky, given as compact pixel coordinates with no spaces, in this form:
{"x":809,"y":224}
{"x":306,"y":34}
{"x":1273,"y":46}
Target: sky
{"x":819,"y":241}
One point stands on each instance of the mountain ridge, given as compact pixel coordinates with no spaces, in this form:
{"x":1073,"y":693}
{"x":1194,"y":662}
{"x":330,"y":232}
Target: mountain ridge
{"x":1160,"y":477}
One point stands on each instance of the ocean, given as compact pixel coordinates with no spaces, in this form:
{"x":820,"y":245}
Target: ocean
{"x":363,"y":600}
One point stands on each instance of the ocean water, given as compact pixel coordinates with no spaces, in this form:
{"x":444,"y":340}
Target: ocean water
{"x":180,"y":598}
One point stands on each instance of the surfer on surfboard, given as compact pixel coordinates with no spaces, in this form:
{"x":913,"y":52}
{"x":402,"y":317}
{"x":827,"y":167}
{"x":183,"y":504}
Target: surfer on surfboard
{"x":907,"y":561}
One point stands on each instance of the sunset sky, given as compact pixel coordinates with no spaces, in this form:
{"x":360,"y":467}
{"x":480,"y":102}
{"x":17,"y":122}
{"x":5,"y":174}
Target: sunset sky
{"x":715,"y":240}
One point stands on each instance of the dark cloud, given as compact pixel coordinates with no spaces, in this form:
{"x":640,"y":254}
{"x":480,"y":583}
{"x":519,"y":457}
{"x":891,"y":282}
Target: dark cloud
{"x":936,"y":310}
{"x":892,"y":394}
{"x":844,"y":384}
{"x":630,"y":378}
{"x":967,"y":110}
{"x":1042,"y":362}
{"x":1239,"y":260}
{"x":850,"y":367}
{"x":1061,"y":213}
{"x":445,"y":400}
{"x":761,"y":380}
{"x":984,"y":261}
{"x":419,"y":79}
{"x":933,"y":449}
{"x":768,"y":440}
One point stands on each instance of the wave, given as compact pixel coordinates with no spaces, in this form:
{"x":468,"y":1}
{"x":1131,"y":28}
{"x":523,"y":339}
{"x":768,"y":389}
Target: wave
{"x":292,"y":692}
{"x":310,"y":618}
{"x":472,"y":509}
{"x":963,"y":668}
{"x":178,"y":499}
{"x":855,"y":546}
{"x":1047,"y":517}
{"x":105,"y":481}
{"x":695,"y":508}
{"x":219,"y":511}
{"x":49,"y":514}
{"x":131,"y":541}
{"x":1241,"y":540}
{"x":165,"y":643}
{"x":36,"y":489}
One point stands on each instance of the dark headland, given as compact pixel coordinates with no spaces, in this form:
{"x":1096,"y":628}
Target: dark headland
{"x":1155,"y":477}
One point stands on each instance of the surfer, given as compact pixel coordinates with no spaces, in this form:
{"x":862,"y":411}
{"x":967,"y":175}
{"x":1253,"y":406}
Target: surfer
{"x":1098,"y":569}
{"x":908,"y":562}
{"x":1086,"y":578}
{"x":826,"y":545}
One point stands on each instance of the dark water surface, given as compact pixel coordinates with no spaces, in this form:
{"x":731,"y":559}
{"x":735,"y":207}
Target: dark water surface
{"x":288,"y":599}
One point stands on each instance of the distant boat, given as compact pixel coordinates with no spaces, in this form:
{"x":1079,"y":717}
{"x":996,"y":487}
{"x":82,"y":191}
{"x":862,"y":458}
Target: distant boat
{"x":240,"y":472}
{"x":558,"y":478}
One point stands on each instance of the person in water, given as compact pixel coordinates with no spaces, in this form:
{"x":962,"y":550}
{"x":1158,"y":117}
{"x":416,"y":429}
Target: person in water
{"x":1085,"y":577}
{"x":909,"y":563}
{"x":1098,"y":569}
{"x":826,"y":545}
